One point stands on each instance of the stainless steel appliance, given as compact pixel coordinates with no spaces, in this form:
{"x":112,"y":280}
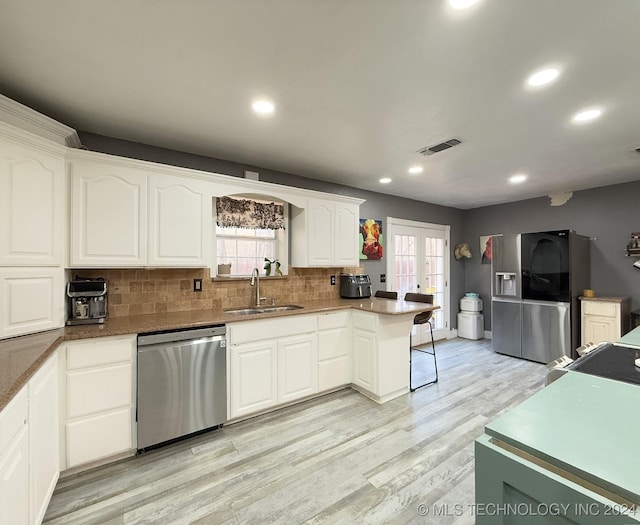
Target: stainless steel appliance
{"x":87,"y":301}
{"x":536,"y":280}
{"x":182,"y":385}
{"x":609,"y":360}
{"x":355,"y":286}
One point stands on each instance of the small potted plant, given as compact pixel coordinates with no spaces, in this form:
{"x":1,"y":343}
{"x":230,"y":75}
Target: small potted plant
{"x":224,"y":269}
{"x":272,"y":264}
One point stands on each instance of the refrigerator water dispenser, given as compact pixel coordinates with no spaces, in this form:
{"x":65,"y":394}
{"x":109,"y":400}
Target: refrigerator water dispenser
{"x":506,"y":284}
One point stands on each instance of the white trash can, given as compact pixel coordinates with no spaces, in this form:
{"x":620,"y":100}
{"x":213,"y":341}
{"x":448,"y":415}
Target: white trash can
{"x":470,"y":325}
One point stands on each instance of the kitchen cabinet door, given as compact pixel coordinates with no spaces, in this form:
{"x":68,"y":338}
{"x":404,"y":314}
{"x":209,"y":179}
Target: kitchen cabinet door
{"x":297,"y":367}
{"x":345,"y":242}
{"x":14,"y":480}
{"x":597,"y":329}
{"x":520,"y":485}
{"x":321,"y":217}
{"x":254,"y":377}
{"x":98,"y":436}
{"x":108,"y":216}
{"x":43,"y":437}
{"x":31,"y":300}
{"x":365,"y":360}
{"x":179,"y":222}
{"x":32,"y":206}
{"x":334,"y":351}
{"x":324,"y":234}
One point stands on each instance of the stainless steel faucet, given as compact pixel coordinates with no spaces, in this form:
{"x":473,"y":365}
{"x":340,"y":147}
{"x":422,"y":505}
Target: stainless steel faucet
{"x":255,"y":281}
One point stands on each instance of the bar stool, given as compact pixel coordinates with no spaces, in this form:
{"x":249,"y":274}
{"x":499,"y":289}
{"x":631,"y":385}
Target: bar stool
{"x":387,"y":295}
{"x":421,"y":318}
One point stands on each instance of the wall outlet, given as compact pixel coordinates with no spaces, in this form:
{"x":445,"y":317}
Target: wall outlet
{"x":197,"y":285}
{"x":383,"y":277}
{"x":333,"y":280}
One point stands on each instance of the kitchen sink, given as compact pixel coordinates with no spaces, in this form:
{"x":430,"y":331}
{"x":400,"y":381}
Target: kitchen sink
{"x":264,"y":309}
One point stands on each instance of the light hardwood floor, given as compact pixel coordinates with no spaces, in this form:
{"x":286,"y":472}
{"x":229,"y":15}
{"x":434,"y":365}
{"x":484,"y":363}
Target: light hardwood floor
{"x":340,"y":458}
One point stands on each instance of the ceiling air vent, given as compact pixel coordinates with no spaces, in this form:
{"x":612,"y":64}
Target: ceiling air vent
{"x":430,"y":150}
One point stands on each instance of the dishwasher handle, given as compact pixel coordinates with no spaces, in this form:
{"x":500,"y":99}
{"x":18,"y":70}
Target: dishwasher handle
{"x":214,"y":332}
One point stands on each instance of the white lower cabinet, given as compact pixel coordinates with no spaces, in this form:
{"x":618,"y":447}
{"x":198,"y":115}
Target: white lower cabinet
{"x":29,"y":465}
{"x":604,"y":319}
{"x":381,"y":354}
{"x":268,"y":367}
{"x":44,"y":456}
{"x":98,"y":399}
{"x":14,"y":481}
{"x":297,"y":367}
{"x":364,"y":360}
{"x":334,"y":350}
{"x":14,"y":460}
{"x":254,"y":377}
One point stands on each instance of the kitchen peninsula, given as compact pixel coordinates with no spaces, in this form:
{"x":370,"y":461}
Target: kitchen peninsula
{"x":20,"y":357}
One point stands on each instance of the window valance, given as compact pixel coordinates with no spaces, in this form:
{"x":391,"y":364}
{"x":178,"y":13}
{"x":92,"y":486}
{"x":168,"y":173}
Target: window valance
{"x":246,"y":213}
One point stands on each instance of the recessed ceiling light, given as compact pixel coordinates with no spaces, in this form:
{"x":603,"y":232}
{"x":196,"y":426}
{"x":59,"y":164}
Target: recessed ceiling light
{"x":385,"y":180}
{"x":416,"y":169}
{"x":542,"y":77}
{"x":518,"y":178}
{"x":264,"y":107}
{"x":587,"y":114}
{"x":461,"y":4}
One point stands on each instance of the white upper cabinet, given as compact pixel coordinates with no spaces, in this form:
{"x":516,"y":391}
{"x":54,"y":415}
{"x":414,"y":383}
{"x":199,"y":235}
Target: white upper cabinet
{"x":32,"y":205}
{"x":346,"y":235}
{"x":179,"y":222}
{"x":124,"y":217}
{"x":108,"y":216}
{"x":31,"y":300}
{"x":324,"y":234}
{"x":321,"y":221}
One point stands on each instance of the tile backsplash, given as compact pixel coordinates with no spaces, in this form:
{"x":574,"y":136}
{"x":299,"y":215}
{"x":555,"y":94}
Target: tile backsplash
{"x":133,"y":292}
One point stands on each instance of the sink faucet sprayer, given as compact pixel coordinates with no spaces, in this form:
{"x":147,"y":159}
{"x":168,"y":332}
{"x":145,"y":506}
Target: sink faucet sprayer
{"x":255,"y":281}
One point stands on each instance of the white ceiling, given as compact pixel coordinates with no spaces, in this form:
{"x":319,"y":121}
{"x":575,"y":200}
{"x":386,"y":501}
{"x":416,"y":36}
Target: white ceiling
{"x":359,"y":85}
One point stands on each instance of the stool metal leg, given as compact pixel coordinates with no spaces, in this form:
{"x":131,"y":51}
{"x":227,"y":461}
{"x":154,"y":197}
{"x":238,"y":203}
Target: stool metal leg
{"x":433,"y":353}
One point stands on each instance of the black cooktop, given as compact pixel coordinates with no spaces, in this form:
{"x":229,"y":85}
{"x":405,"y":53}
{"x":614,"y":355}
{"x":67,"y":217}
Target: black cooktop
{"x":612,"y":361}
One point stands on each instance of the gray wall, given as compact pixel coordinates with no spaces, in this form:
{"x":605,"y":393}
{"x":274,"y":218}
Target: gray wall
{"x":608,"y":215}
{"x":377,"y":205}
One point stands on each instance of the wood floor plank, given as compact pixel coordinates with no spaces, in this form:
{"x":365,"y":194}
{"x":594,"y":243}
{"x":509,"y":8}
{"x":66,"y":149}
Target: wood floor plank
{"x":339,"y":458}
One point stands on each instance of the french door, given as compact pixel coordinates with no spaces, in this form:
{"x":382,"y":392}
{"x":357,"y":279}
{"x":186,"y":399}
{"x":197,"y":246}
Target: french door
{"x":419,"y":262}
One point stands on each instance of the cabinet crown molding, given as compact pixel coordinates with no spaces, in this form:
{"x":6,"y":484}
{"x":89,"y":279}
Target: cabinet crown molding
{"x":220,"y":184}
{"x":25,"y":118}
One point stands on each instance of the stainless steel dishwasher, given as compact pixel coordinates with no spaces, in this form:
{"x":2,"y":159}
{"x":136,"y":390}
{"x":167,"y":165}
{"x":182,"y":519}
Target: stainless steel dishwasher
{"x":182,"y":383}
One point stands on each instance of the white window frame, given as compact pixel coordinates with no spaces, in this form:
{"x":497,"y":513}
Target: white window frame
{"x":282,"y":238}
{"x":391,"y":228}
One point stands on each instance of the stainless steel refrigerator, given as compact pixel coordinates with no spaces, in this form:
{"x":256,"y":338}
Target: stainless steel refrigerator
{"x":536,"y":280}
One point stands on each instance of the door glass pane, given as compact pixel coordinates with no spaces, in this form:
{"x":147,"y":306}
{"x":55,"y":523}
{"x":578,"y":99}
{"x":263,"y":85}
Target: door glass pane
{"x":434,"y":276}
{"x":406,"y":277}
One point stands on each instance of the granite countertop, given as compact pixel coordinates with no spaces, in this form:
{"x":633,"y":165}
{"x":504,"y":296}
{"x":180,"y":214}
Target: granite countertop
{"x":20,"y":357}
{"x":584,"y":424}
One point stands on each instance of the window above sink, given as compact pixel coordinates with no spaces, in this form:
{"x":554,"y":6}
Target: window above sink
{"x":249,"y":231}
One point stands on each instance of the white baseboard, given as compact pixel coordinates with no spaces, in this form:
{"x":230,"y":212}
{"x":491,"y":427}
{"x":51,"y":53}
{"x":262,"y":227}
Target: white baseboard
{"x":487,"y":334}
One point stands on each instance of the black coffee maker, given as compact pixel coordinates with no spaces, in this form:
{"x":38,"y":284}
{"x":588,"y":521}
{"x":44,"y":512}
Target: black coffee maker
{"x":87,"y":301}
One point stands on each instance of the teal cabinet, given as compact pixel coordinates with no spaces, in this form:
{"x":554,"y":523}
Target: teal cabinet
{"x":514,"y":489}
